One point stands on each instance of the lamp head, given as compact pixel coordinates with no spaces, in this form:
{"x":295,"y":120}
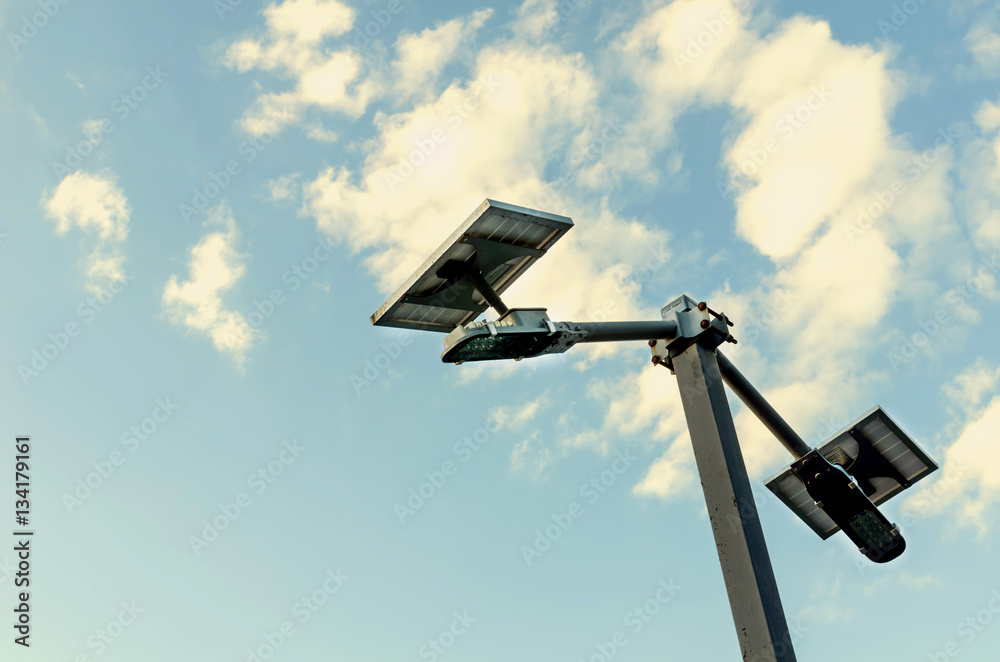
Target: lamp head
{"x":521,"y":333}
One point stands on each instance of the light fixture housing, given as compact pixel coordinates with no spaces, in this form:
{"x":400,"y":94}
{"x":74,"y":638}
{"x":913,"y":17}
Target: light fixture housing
{"x":521,"y":333}
{"x":881,"y":459}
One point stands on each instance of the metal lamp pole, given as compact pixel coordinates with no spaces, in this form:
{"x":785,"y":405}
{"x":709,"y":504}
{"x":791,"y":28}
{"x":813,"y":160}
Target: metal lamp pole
{"x":739,"y":540}
{"x":746,"y":567}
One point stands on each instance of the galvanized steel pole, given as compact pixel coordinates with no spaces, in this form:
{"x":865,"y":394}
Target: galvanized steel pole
{"x":746,"y":567}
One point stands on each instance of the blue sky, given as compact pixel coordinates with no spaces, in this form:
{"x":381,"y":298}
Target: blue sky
{"x":204,"y":202}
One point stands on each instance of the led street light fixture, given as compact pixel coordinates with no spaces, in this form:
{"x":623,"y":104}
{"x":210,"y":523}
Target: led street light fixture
{"x":519,"y":334}
{"x":882,"y":460}
{"x":843,"y":501}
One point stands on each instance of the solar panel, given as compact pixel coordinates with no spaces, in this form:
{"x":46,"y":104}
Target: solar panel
{"x":503,"y":239}
{"x":875,"y":451}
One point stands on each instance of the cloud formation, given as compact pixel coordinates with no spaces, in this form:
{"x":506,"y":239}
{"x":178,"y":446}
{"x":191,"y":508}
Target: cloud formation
{"x":292,"y":47}
{"x":967,"y":483}
{"x":854,"y":220}
{"x":422,"y":56}
{"x":94,"y":204}
{"x":214,"y":267}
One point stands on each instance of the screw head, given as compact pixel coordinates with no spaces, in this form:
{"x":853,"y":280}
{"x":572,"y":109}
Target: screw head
{"x":652,"y":343}
{"x":655,"y":359}
{"x":702,"y":306}
{"x":704,"y":324}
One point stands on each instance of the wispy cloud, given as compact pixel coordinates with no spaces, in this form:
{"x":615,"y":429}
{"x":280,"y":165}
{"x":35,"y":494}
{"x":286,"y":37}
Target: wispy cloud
{"x":292,"y":46}
{"x":97,"y":206}
{"x":214,"y":267}
{"x":811,"y":153}
{"x":422,"y":56}
{"x":968,"y":484}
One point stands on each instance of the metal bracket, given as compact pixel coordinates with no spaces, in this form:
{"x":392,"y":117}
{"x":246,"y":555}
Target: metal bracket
{"x":696,"y":323}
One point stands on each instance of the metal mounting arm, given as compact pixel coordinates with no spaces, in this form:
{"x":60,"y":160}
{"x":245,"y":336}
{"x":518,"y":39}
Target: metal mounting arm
{"x":756,"y":403}
{"x":616,"y":331}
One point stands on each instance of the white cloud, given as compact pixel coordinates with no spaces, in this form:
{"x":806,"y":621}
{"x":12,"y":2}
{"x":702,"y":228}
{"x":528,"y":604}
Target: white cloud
{"x":661,"y":54}
{"x":95,"y":205}
{"x":535,"y":18}
{"x":980,"y":174}
{"x":983,"y":43}
{"x":532,"y":457}
{"x":814,"y":149}
{"x":968,"y":483}
{"x":973,"y":385}
{"x":538,"y":126}
{"x":516,"y":416}
{"x":904,"y":578}
{"x":321,"y":134}
{"x":308,"y":22}
{"x":672,"y":476}
{"x":93,"y":126}
{"x":75,"y":80}
{"x":491,"y":136}
{"x":918,"y":581}
{"x":283,"y":188}
{"x":817,"y":129}
{"x":292,"y":47}
{"x":214,"y":267}
{"x":422,"y":56}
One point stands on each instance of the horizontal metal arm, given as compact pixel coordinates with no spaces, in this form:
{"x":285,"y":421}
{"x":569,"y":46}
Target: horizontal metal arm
{"x":756,"y":403}
{"x":614,"y":331}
